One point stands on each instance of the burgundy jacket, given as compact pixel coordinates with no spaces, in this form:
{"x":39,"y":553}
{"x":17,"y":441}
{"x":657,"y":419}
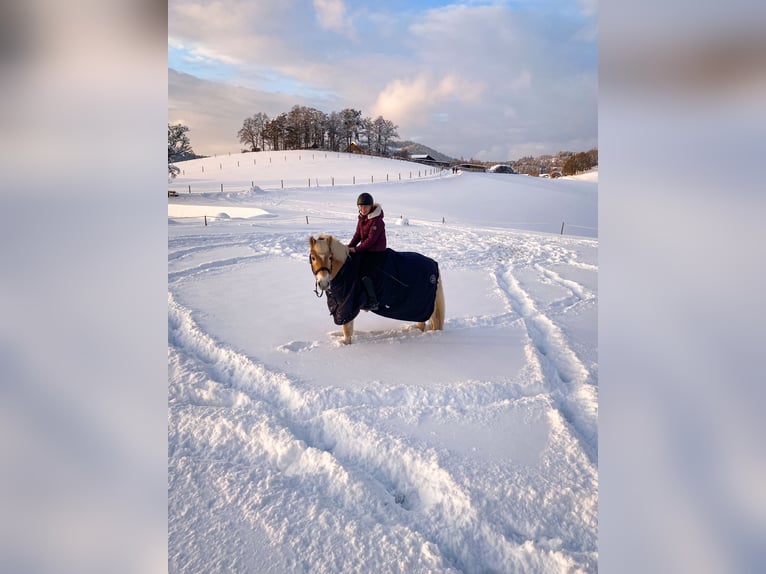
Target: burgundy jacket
{"x":370,"y":234}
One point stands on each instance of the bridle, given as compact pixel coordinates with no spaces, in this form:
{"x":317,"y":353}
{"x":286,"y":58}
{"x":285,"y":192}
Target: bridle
{"x":317,"y":291}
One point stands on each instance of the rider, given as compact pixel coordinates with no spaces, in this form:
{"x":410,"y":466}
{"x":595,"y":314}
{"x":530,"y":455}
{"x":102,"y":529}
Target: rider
{"x":370,"y":239}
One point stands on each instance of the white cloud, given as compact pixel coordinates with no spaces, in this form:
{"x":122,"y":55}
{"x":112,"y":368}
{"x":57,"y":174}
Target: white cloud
{"x":411,"y":101}
{"x":202,"y":53}
{"x":331,"y":15}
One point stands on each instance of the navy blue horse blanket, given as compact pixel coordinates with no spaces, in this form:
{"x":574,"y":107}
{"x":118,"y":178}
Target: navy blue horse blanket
{"x":405,"y":285}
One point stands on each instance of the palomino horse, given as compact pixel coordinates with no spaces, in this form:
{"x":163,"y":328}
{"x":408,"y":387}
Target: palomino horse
{"x":408,"y":285}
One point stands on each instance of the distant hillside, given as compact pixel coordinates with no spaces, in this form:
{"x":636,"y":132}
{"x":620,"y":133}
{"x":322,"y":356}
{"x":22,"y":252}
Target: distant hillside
{"x":186,"y":156}
{"x":413,"y":148}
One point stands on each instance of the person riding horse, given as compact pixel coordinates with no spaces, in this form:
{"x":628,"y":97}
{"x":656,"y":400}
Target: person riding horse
{"x":370,"y":240}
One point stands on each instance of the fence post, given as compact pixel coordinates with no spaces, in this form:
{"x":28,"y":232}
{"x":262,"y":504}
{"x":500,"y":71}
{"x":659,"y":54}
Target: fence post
{"x":206,"y":221}
{"x":333,"y":181}
{"x":221,"y":188}
{"x":189,"y":188}
{"x":283,"y":183}
{"x":354,"y":180}
{"x":307,"y":220}
{"x":562,"y":228}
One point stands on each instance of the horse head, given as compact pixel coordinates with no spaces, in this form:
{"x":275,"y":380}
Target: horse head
{"x":327,"y":256}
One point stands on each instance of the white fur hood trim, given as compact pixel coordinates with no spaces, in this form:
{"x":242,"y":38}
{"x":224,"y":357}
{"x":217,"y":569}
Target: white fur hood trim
{"x":377,"y":210}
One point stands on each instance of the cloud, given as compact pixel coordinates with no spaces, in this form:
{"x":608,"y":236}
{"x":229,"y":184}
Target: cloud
{"x":214,"y":113}
{"x":467,"y":79}
{"x":331,"y":15}
{"x":411,"y":102}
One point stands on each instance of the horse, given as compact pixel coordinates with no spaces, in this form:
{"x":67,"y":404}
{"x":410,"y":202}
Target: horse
{"x":408,"y":285}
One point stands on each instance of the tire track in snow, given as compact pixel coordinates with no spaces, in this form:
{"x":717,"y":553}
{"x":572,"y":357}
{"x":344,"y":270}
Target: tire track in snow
{"x":378,"y":465}
{"x":563,"y":371}
{"x":213,"y":265}
{"x":260,"y":444}
{"x":177,"y":247}
{"x":579,"y":291}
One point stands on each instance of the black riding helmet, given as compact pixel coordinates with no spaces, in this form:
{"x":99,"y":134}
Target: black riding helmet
{"x":364,"y":199}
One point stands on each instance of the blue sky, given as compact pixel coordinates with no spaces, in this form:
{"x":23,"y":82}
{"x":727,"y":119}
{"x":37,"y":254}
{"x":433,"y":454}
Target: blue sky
{"x":483,"y":80}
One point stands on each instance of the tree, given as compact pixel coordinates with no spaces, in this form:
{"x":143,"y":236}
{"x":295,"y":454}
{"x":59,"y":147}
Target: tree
{"x":317,"y":128}
{"x":593,"y":156}
{"x":333,"y":128}
{"x":308,"y":128}
{"x":367,"y":131}
{"x":252,"y":131}
{"x":385,"y":131}
{"x":577,"y":163}
{"x":295,"y":128}
{"x":350,"y":122}
{"x":179,"y":147}
{"x":275,"y":132}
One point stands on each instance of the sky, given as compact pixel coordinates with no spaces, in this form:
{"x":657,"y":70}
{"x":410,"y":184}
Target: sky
{"x":493,"y":81}
{"x":470,"y":449}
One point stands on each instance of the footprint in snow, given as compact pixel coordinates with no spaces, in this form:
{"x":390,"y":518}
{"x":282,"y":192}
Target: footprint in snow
{"x":297,"y":346}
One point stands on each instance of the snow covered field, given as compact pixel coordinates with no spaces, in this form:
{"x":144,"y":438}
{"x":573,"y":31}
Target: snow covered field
{"x":473,"y":449}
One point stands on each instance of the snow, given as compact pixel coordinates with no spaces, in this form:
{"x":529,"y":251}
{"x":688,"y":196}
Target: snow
{"x":472,"y":449}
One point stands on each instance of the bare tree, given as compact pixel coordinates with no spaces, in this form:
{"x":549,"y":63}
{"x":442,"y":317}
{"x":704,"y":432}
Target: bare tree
{"x":384,"y":131}
{"x":275,"y":132}
{"x":350,"y":122}
{"x":334,"y":127}
{"x":252,"y":131}
{"x":367,"y":132}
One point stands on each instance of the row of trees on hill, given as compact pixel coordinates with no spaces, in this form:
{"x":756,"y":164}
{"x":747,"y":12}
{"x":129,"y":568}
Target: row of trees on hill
{"x":309,"y":128}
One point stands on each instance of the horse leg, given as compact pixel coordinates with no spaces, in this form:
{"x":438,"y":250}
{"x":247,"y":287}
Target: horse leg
{"x":348,"y":332}
{"x":436,"y":322}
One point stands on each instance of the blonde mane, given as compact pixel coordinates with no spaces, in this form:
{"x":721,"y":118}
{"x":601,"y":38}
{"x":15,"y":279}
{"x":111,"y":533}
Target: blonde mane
{"x":338,"y":249}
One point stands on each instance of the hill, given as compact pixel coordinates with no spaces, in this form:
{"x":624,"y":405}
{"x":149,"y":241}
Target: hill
{"x":414,"y":148}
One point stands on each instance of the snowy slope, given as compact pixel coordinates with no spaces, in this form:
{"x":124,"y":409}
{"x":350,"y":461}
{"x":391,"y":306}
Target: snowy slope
{"x":473,"y":449}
